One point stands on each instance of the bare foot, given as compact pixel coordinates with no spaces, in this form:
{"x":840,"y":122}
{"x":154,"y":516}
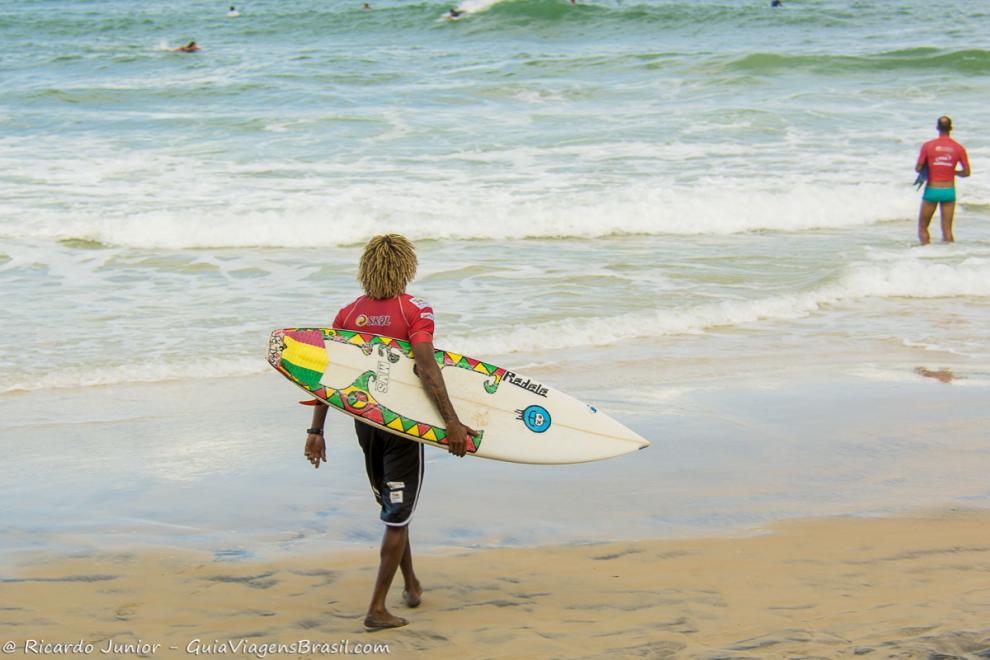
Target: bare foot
{"x":413,"y":597}
{"x":384,"y":619}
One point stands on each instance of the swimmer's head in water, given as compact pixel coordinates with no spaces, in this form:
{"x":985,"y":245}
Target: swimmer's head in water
{"x":944,"y":124}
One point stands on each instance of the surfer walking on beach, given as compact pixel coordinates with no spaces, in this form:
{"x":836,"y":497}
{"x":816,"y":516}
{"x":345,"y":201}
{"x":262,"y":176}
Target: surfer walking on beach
{"x":394,"y":465}
{"x":937,"y":162}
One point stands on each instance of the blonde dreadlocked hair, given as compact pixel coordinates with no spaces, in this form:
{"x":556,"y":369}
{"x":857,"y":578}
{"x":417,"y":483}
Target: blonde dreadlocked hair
{"x":387,"y":266}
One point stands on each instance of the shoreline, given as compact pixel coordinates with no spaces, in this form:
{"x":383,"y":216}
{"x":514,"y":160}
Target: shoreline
{"x":908,"y":585}
{"x":727,"y":458}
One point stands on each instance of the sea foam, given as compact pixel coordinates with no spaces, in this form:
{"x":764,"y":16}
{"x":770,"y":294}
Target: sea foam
{"x":156,"y":371}
{"x":908,"y":278}
{"x":425,"y":212}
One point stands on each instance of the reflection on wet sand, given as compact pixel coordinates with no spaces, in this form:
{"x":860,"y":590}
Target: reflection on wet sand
{"x":941,"y":375}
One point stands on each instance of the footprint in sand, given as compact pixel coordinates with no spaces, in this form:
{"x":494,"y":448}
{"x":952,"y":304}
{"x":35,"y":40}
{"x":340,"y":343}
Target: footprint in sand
{"x":126,"y":612}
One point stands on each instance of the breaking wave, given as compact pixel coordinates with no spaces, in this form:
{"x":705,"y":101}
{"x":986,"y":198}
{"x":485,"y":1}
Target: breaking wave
{"x":908,"y":278}
{"x":430,"y":214}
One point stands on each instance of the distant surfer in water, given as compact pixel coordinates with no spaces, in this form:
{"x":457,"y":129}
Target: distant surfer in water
{"x":233,"y":13}
{"x":394,"y":465}
{"x":938,"y":158}
{"x":455,"y":13}
{"x":366,"y":7}
{"x":191,"y":47}
{"x":776,"y":3}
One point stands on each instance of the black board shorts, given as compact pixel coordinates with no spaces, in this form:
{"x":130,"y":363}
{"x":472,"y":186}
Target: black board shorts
{"x":395,"y":472}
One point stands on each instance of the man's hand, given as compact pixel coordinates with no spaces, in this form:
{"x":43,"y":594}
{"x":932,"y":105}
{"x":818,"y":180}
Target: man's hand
{"x":457,"y":437}
{"x":432,"y":380}
{"x":316,"y":449}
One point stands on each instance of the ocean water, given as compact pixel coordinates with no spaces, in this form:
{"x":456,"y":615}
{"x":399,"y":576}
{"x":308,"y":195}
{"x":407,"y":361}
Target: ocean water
{"x":627,"y":198}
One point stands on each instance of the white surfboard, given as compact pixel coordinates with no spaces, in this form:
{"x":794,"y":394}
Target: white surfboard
{"x":518,"y":419}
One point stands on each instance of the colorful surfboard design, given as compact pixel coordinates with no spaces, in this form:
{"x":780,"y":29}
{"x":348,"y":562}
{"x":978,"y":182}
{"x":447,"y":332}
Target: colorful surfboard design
{"x":371,"y":377}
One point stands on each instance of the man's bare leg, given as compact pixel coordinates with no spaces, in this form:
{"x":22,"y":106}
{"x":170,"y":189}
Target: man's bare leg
{"x":925,"y":219}
{"x":394,"y":544}
{"x":413,"y":592}
{"x":947,"y":213}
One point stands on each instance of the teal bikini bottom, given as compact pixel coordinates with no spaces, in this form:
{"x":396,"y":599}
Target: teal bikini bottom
{"x":939,"y":194}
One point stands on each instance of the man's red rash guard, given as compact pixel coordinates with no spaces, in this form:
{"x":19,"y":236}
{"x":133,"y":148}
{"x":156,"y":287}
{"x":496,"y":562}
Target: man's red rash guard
{"x":403,"y":317}
{"x":941,"y":155}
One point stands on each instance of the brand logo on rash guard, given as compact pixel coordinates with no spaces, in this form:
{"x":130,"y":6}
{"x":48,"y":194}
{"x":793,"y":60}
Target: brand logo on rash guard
{"x":381,"y":320}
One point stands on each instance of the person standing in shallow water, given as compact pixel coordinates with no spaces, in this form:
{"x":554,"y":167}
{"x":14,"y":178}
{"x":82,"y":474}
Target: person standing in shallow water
{"x":394,"y":465}
{"x":939,"y":158}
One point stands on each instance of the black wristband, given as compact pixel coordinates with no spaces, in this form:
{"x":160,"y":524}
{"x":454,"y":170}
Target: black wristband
{"x":314,"y":431}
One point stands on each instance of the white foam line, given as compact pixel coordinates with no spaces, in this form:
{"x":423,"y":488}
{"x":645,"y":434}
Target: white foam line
{"x":428,"y":212}
{"x":910,"y":278}
{"x":141,"y":373}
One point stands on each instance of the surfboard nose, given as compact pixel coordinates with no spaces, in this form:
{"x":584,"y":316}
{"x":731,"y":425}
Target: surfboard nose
{"x":639,"y":441}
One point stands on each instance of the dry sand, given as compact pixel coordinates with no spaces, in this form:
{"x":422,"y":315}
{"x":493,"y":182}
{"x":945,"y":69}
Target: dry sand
{"x":905,"y":587}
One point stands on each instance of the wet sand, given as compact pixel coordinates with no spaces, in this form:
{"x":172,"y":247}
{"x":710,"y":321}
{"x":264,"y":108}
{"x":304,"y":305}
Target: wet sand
{"x":908,"y":586}
{"x":127,"y":465}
